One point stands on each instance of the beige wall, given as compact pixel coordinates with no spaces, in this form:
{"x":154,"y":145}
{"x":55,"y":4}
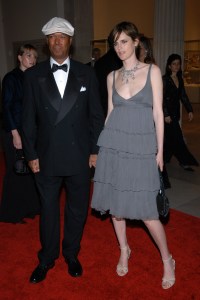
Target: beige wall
{"x":24,"y":21}
{"x":107,"y":13}
{"x":192,"y":20}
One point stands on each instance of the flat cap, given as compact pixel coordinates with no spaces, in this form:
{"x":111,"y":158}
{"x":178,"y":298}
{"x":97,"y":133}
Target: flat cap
{"x":58,"y":25}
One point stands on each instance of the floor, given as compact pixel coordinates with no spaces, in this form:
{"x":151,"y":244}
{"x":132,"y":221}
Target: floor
{"x":184,"y":194}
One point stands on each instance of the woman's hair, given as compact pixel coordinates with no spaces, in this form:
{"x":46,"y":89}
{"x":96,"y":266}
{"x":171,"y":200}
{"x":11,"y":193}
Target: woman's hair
{"x":24,"y":47}
{"x":127,"y":27}
{"x":146,"y":44}
{"x":170,"y":59}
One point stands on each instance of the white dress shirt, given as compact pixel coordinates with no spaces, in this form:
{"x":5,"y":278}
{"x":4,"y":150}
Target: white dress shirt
{"x":60,"y":75}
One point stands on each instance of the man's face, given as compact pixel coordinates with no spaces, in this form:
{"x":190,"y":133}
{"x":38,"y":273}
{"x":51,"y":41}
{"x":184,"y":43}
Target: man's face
{"x":59,"y":46}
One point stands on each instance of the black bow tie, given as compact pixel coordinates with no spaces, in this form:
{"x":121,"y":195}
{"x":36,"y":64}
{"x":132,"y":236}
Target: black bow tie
{"x":56,"y":67}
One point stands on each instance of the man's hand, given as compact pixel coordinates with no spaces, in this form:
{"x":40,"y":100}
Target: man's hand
{"x":92,"y":160}
{"x":34,"y":165}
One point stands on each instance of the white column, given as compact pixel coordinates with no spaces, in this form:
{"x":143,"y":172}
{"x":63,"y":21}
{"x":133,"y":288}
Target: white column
{"x":80,"y":13}
{"x":60,"y":8}
{"x":168,"y":30}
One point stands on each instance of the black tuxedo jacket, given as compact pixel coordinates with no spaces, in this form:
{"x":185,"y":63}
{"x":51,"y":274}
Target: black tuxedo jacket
{"x":61,"y":132}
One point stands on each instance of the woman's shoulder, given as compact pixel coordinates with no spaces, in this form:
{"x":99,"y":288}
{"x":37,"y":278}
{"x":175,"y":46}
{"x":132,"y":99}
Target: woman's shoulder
{"x":155,"y":72}
{"x":114,"y":73}
{"x":155,"y":68}
{"x":11,"y":76}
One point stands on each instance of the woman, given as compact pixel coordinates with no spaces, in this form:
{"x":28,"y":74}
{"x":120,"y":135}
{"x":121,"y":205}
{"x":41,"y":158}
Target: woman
{"x":131,"y":149}
{"x":144,"y":53}
{"x":19,"y":196}
{"x":173,"y":93}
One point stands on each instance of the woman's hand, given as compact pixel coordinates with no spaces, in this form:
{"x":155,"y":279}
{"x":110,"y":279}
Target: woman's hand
{"x":159,"y":160}
{"x":17,"y":142}
{"x":168,"y":120}
{"x":190,"y":116}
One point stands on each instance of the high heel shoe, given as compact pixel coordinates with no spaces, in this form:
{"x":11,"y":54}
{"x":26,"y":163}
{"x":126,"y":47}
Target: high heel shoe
{"x":123,"y":270}
{"x":169,"y":282}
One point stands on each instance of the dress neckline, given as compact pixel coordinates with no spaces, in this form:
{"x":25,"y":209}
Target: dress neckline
{"x":128,"y":99}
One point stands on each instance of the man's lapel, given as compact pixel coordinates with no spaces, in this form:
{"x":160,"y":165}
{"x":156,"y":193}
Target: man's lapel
{"x":50,"y":89}
{"x":70,"y":95}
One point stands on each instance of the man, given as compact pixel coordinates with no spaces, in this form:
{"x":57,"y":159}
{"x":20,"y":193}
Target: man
{"x":105,"y":64}
{"x":96,"y":54}
{"x":62,"y":119}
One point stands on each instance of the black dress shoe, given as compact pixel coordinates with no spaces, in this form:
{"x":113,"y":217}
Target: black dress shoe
{"x":40,"y":272}
{"x":74,"y":267}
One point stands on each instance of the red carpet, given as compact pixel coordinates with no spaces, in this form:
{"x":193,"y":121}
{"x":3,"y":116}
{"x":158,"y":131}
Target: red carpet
{"x":99,"y":255}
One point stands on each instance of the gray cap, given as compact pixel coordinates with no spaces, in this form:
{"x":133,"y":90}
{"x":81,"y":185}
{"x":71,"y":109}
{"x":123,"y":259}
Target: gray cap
{"x":58,"y":25}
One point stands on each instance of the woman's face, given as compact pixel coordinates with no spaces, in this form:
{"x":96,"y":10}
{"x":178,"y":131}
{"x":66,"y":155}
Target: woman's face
{"x":175,"y":66}
{"x":124,"y":46}
{"x":27,"y":59}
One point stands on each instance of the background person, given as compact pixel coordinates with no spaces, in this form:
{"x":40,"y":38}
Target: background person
{"x":126,"y":179}
{"x":62,"y":119}
{"x":19,"y":195}
{"x":96,"y":54}
{"x":173,"y":94}
{"x":107,"y":63}
{"x":145,"y":51}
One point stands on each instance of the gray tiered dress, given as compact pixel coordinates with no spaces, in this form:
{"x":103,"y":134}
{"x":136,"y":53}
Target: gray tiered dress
{"x":126,"y":179}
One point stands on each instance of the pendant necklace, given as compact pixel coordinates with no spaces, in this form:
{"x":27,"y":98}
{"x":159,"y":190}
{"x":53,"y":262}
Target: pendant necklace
{"x":127,"y":74}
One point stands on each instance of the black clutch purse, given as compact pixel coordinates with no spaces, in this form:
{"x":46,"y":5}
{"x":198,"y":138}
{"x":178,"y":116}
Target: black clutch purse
{"x":20,"y":165}
{"x":161,"y":199}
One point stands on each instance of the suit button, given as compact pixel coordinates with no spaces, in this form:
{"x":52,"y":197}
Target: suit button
{"x":73,"y":143}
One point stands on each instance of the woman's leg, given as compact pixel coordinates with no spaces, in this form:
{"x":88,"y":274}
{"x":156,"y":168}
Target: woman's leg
{"x":157,"y":232}
{"x":120,"y":230}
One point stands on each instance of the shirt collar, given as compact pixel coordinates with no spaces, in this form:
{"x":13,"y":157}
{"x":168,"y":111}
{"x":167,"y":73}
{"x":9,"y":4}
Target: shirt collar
{"x":66,"y":61}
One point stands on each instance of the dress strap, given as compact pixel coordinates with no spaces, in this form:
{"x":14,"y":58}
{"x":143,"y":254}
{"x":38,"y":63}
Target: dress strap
{"x":149,"y":71}
{"x":148,"y":74}
{"x":114,"y":80}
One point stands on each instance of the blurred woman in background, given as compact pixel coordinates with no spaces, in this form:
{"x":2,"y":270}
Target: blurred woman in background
{"x":19,"y":196}
{"x":173,"y":94}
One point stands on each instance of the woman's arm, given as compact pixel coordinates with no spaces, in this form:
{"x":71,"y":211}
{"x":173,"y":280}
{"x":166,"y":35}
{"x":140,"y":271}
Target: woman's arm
{"x":185,"y":100}
{"x":110,"y":92}
{"x":9,"y":95}
{"x":167,"y":117}
{"x":157,"y":88}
